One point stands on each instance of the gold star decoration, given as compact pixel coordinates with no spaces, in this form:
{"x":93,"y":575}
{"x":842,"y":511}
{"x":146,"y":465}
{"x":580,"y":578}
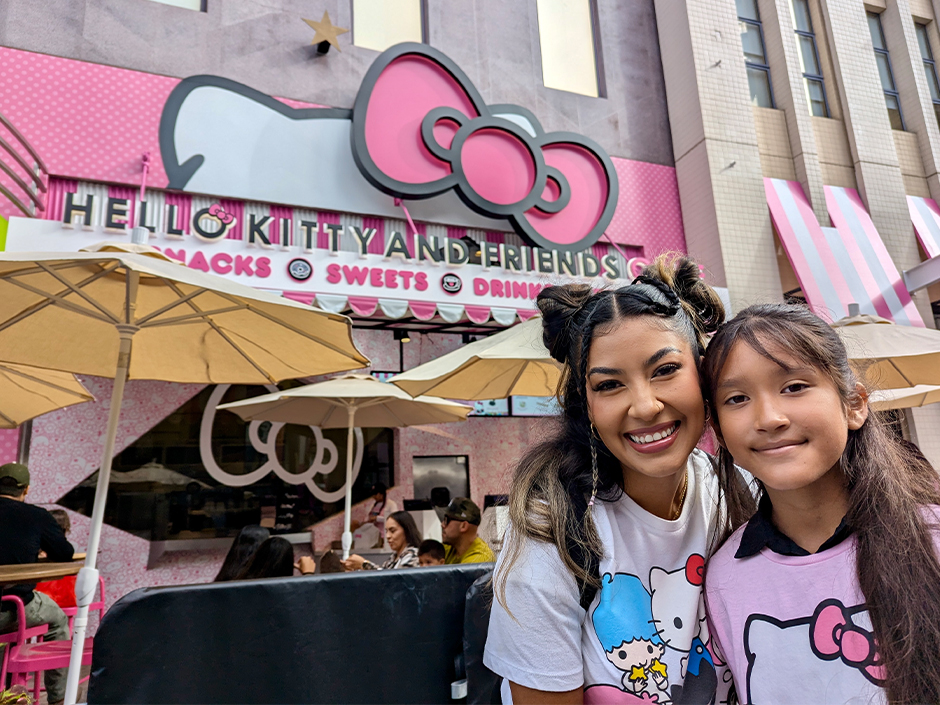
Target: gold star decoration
{"x":326,"y":31}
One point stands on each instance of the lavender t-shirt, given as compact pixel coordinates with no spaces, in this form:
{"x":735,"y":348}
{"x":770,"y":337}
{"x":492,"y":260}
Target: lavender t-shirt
{"x":793,"y":629}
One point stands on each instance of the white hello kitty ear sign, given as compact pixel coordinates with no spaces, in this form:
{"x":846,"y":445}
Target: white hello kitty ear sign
{"x":419,"y":130}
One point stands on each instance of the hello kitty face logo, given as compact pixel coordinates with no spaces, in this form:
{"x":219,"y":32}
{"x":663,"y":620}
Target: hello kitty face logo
{"x":678,"y":611}
{"x":421,"y":128}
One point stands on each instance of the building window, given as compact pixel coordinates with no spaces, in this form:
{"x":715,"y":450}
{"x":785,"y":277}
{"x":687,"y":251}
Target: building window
{"x":809,"y":60}
{"x":379,"y":24}
{"x":570,"y":46}
{"x":197,"y":5}
{"x":161,"y":491}
{"x":752,"y":37}
{"x":892,"y":99}
{"x":930,"y":68}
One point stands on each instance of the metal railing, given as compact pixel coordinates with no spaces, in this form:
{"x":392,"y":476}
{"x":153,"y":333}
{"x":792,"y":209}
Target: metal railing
{"x":30,"y":199}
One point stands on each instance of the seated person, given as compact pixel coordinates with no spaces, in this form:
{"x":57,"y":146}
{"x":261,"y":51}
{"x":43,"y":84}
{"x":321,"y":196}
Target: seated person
{"x":25,"y":530}
{"x":459,"y":531}
{"x":273,"y":559}
{"x":403,"y":538}
{"x":243,"y":548}
{"x":63,"y":589}
{"x":382,"y":507}
{"x":431,"y":552}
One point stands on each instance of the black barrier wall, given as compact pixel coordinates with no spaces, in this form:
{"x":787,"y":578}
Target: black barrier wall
{"x":369,"y":637}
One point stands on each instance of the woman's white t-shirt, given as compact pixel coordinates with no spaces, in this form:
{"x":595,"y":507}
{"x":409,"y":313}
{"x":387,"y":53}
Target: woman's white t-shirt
{"x":643,"y":635}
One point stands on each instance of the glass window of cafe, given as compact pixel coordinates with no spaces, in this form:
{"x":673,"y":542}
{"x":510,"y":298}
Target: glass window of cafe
{"x":160,"y":489}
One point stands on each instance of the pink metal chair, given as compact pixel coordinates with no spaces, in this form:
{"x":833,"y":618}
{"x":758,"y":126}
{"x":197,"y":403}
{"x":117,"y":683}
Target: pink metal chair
{"x":31,"y":634}
{"x":22,"y":658}
{"x":98,"y":606}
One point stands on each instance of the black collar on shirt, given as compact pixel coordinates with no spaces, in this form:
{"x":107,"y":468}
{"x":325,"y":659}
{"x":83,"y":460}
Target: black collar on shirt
{"x":761,"y":531}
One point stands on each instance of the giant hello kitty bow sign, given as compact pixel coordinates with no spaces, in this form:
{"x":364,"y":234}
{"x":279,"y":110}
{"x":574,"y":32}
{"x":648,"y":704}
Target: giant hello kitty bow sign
{"x":419,"y":130}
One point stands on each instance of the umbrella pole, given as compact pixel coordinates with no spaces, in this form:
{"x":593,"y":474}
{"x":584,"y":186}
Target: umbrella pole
{"x":347,"y":534}
{"x":87,"y":581}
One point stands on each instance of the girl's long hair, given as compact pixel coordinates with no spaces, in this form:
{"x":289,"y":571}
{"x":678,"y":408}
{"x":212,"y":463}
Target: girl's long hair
{"x":548,"y":498}
{"x":889,"y":493}
{"x":243,"y":548}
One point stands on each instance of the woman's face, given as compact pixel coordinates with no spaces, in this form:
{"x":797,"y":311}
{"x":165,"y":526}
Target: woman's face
{"x":395,"y":535}
{"x":644,"y":396}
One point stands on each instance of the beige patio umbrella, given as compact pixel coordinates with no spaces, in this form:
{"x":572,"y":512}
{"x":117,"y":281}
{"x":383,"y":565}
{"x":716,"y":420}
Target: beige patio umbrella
{"x":345,"y":402}
{"x":905,"y":397}
{"x":82,"y":311}
{"x":27,"y":392}
{"x":511,"y":362}
{"x":888,"y":355}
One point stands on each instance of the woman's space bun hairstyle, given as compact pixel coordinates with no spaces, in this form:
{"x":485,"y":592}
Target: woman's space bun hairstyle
{"x":561,"y":307}
{"x":670,"y":284}
{"x":681,"y":275}
{"x":548,"y":500}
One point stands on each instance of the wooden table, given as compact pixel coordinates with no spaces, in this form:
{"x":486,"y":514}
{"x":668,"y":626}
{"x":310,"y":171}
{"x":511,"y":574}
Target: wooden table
{"x":37,"y":572}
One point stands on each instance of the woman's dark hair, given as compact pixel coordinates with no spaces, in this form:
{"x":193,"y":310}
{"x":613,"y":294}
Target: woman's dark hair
{"x":273,"y":559}
{"x":380,"y":488}
{"x":548,"y":498}
{"x":241,"y":551}
{"x":407,"y":524}
{"x":889,"y":491}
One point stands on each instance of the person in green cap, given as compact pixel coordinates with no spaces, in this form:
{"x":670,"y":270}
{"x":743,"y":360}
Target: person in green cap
{"x":25,"y":530}
{"x":459,"y":534}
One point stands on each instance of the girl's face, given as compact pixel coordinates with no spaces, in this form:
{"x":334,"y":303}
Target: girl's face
{"x":787,"y":427}
{"x":395,"y":535}
{"x":645,"y":397}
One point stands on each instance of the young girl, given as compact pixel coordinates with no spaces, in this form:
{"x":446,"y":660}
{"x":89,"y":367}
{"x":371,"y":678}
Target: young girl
{"x":598,"y":587}
{"x":830,"y":593}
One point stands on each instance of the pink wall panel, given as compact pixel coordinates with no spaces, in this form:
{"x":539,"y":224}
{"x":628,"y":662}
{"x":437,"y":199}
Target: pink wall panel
{"x":9,"y":440}
{"x":648,"y":211}
{"x":66,"y":448}
{"x":55,"y":103}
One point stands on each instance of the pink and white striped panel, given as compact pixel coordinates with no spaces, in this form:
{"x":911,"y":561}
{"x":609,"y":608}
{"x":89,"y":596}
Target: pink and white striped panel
{"x":925,"y":214}
{"x":840,"y":265}
{"x":868,"y":262}
{"x":805,"y":243}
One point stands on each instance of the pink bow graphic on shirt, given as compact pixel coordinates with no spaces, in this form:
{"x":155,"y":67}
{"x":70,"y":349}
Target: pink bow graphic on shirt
{"x":421,"y":128}
{"x":216,"y":210}
{"x":833,"y":634}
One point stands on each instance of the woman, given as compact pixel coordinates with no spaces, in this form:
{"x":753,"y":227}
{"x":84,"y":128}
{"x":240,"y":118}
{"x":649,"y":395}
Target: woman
{"x":273,"y":559}
{"x":598,"y":587}
{"x":403,"y":538}
{"x":241,"y":551}
{"x":381,"y":508}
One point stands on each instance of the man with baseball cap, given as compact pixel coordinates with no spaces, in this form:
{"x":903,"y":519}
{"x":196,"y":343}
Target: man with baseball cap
{"x":459,"y":529}
{"x":25,"y":530}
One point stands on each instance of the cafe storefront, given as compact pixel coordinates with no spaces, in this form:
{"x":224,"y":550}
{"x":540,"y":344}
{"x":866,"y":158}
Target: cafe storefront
{"x":430,"y":222}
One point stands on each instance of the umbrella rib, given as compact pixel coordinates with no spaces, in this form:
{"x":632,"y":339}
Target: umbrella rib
{"x":76,"y":290}
{"x":38,"y":394}
{"x":8,"y":419}
{"x":288,"y":326}
{"x":173,"y":304}
{"x":522,"y":369}
{"x":225,"y":337}
{"x":903,"y":376}
{"x":56,"y":300}
{"x":10,"y":371}
{"x":35,"y":308}
{"x":191,"y":316}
